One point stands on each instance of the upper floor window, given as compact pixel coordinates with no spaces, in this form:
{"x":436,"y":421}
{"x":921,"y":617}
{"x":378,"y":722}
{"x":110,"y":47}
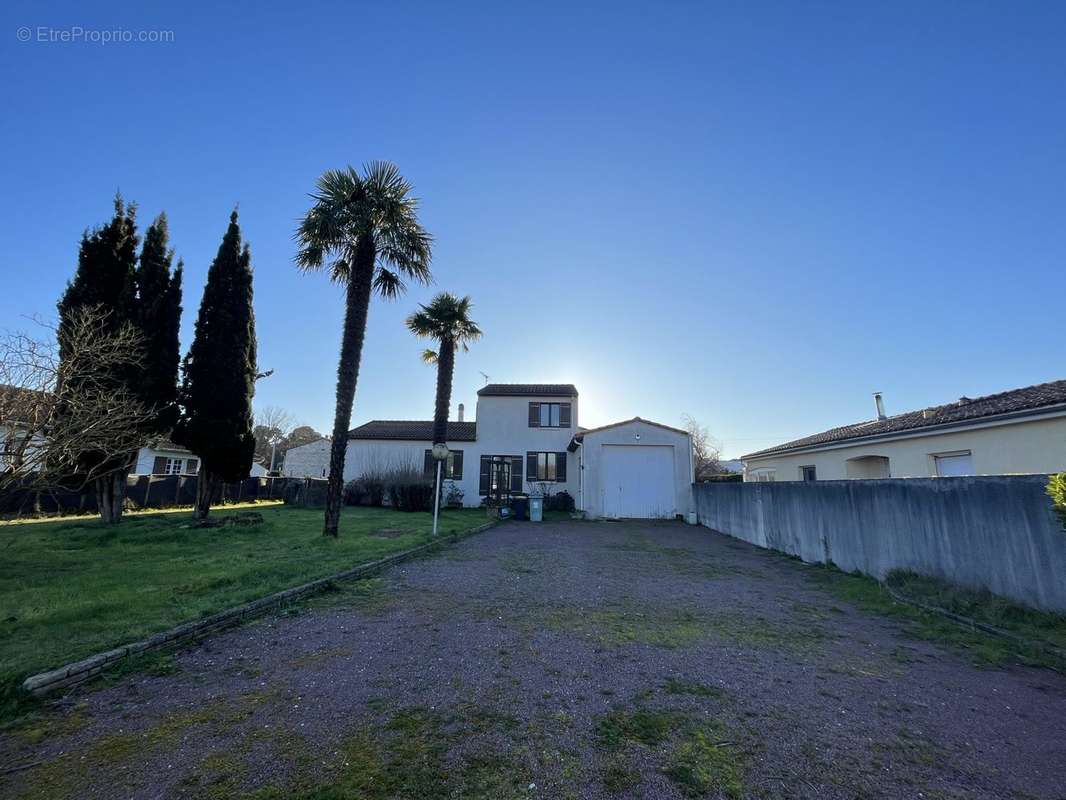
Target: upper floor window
{"x":549,"y":415}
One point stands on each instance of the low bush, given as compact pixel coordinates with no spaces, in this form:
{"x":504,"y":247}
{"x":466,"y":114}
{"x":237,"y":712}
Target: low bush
{"x":1056,"y":488}
{"x":563,"y":501}
{"x":408,"y":489}
{"x":366,"y":490}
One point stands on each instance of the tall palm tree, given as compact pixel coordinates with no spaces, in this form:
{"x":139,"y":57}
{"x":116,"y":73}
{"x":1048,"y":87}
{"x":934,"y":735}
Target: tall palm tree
{"x":446,"y":319}
{"x":363,"y":228}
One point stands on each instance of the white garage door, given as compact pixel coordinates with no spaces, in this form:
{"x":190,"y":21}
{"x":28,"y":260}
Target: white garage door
{"x":638,"y":481}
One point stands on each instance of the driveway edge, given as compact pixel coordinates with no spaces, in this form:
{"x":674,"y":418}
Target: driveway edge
{"x":80,"y":671}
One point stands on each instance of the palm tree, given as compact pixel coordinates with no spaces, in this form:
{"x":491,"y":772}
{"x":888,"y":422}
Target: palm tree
{"x":446,"y":319}
{"x":364,"y":229}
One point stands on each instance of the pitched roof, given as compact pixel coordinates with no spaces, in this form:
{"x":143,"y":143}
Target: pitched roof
{"x":1029,"y":400}
{"x":412,"y":430}
{"x":528,"y":390}
{"x":583,"y":431}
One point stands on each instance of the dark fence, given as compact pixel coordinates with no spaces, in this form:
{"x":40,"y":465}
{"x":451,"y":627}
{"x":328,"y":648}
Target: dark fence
{"x":144,"y":491}
{"x":999,"y":533}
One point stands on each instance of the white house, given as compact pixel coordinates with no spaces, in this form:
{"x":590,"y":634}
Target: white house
{"x":1020,"y":431}
{"x":526,"y":438}
{"x":163,"y":457}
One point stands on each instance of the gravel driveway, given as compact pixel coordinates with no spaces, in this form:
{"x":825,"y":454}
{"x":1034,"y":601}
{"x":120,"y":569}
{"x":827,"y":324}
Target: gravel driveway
{"x":584,"y":660}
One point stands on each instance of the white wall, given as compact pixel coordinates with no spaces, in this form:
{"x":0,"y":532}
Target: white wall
{"x":146,"y":459}
{"x":1017,"y":447}
{"x":502,"y":429}
{"x":309,"y":460}
{"x":591,"y":457}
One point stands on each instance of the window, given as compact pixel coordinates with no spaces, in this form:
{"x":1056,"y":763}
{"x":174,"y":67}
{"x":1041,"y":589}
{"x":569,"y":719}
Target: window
{"x":764,"y":475}
{"x":500,"y":475}
{"x":808,"y":473}
{"x":453,"y":466}
{"x":546,"y":467}
{"x":549,"y":415}
{"x":953,"y":465}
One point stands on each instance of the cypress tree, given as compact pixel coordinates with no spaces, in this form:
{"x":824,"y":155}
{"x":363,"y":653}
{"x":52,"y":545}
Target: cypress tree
{"x":219,"y":372}
{"x":159,"y":319}
{"x":104,"y":279}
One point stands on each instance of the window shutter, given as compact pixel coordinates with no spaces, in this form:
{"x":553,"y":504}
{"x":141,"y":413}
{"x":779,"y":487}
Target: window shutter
{"x":560,"y":466}
{"x":457,"y":465}
{"x":159,"y":466}
{"x":428,"y":467}
{"x":534,"y":415}
{"x":486,"y":464}
{"x":191,"y":466}
{"x":564,"y":415}
{"x":531,"y":466}
{"x":516,"y":473}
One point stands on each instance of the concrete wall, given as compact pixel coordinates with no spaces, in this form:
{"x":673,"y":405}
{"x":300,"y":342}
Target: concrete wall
{"x":1016,"y":447}
{"x":998,"y":533}
{"x":590,"y":496}
{"x":309,"y":460}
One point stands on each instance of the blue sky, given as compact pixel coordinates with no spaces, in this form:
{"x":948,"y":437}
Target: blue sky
{"x":754,"y":213}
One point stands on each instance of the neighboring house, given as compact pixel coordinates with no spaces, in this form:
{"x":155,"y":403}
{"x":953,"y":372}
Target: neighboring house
{"x":163,"y":457}
{"x":309,"y":460}
{"x":526,"y":438}
{"x":1020,"y":431}
{"x":20,"y":439}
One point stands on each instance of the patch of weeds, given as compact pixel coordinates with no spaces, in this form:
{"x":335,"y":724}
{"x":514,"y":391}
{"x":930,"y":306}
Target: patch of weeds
{"x":700,"y":760}
{"x":612,"y":627}
{"x":520,"y":564}
{"x":984,"y":649}
{"x":703,"y":762}
{"x":758,"y":631}
{"x":369,"y":595}
{"x":35,"y":730}
{"x":317,"y":656}
{"x":694,"y":688}
{"x":64,"y":775}
{"x":911,"y":748}
{"x":649,"y":728}
{"x":619,"y":776}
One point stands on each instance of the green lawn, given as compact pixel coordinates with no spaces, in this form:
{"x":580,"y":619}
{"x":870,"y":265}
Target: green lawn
{"x":74,"y":587}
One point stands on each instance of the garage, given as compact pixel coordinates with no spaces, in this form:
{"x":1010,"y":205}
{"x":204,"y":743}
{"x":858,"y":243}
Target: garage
{"x":636,"y":469}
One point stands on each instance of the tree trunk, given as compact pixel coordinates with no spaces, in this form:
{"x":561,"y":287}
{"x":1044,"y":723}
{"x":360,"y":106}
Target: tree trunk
{"x":357,"y":305}
{"x":111,"y":495}
{"x":445,"y":367}
{"x":205,"y":490}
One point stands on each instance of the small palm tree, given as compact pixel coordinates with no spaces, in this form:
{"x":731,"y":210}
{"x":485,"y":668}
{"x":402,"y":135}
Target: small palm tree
{"x":364,"y":229}
{"x":446,"y":319}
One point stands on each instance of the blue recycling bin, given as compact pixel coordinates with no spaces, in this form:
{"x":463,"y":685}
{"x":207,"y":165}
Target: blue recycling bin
{"x":536,"y":509}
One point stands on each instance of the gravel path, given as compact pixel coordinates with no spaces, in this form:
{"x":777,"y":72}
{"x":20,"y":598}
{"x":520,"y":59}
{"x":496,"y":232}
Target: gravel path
{"x":583,"y":660}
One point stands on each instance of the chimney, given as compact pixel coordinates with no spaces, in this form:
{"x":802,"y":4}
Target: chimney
{"x":880,"y":405}
{"x":460,"y":412}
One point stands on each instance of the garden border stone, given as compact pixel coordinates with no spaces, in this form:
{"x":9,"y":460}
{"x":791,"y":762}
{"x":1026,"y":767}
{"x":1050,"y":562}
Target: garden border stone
{"x":87,"y":668}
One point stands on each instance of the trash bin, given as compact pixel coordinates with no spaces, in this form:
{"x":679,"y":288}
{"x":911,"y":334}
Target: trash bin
{"x":520,"y":504}
{"x":536,"y":509}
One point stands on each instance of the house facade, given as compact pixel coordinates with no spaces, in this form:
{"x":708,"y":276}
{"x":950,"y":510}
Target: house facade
{"x":1015,"y":432}
{"x":163,"y":457}
{"x":526,"y":438}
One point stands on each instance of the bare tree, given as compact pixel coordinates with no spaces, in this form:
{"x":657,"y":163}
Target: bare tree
{"x":53,"y":413}
{"x":271,"y":427}
{"x":706,"y":450}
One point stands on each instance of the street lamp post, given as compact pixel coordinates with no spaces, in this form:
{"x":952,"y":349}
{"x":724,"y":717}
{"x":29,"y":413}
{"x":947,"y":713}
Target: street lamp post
{"x":440,"y":453}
